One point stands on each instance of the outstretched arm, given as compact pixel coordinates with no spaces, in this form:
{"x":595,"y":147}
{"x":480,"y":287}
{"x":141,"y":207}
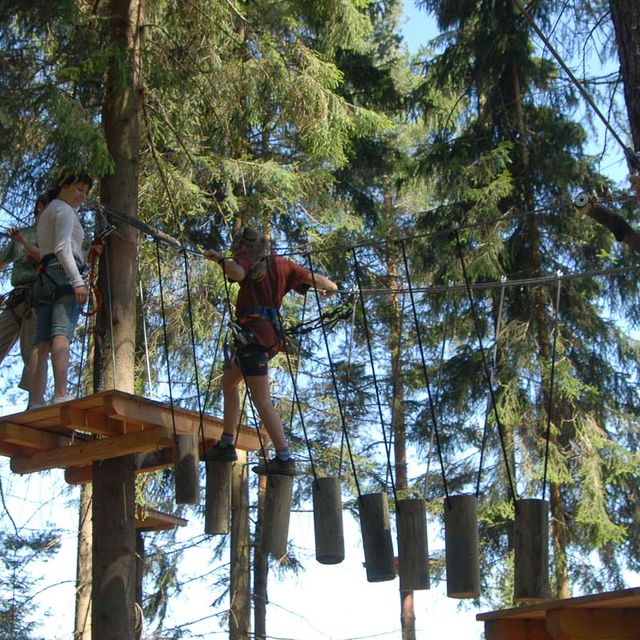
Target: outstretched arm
{"x":321,"y":283}
{"x":233,"y":270}
{"x":33,"y":253}
{"x":620,"y":228}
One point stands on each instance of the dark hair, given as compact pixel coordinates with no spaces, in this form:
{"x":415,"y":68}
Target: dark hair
{"x":72,"y":178}
{"x":43,"y":199}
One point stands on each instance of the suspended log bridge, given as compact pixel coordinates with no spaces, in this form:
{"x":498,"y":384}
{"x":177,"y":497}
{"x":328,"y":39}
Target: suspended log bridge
{"x":75,"y":434}
{"x":602,"y":616}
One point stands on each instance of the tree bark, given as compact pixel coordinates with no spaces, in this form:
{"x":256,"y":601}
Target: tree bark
{"x":240,"y":615}
{"x":625,"y":15}
{"x":114,"y":544}
{"x":398,"y":429}
{"x":260,"y":571}
{"x":82,"y":629}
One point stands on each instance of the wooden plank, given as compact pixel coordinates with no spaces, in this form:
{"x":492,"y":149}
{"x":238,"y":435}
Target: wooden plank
{"x":622,"y":599}
{"x":89,"y":452}
{"x":594,"y":624}
{"x":150,"y":413}
{"x":516,"y":630}
{"x":31,"y":438}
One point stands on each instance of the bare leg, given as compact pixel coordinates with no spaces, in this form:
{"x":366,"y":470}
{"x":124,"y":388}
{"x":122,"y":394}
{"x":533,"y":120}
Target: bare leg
{"x":231,"y":378}
{"x":39,"y":368}
{"x":60,"y":364}
{"x":261,"y":396}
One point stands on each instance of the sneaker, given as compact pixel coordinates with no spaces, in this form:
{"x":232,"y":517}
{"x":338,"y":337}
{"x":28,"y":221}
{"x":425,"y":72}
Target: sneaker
{"x":276,"y":467}
{"x":59,"y":399}
{"x":220,"y":454}
{"x":35,"y":405}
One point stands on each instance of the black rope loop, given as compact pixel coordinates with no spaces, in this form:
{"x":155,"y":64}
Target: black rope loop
{"x":551,"y":385}
{"x":387,"y":440}
{"x":425,"y":373}
{"x":343,"y":422}
{"x":485,"y":367}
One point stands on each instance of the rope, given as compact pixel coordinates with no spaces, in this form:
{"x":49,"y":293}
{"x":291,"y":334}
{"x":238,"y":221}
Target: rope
{"x":166,"y":340}
{"x":632,"y":159}
{"x":551,"y":387}
{"x":425,"y":373}
{"x":292,"y":412}
{"x":387,"y":443}
{"x":486,"y":369}
{"x":144,"y":330}
{"x":347,"y":382}
{"x":492,"y":284}
{"x":439,"y":392}
{"x":492,"y":379}
{"x":343,"y":423}
{"x":193,"y":346}
{"x":215,"y":356}
{"x":297,"y":400}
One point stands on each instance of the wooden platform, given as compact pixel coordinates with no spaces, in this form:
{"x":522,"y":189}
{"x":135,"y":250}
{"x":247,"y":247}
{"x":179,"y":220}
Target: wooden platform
{"x":614,"y":615}
{"x":73,"y":435}
{"x":154,"y":520}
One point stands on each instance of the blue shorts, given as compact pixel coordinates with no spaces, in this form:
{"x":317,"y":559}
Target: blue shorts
{"x":57,"y":319}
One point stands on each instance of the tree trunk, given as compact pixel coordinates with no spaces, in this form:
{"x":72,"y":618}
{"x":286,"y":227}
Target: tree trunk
{"x":82,"y":629}
{"x":625,"y":15}
{"x":260,"y":571}
{"x":240,"y":617}
{"x":407,"y":613}
{"x":114,"y":545}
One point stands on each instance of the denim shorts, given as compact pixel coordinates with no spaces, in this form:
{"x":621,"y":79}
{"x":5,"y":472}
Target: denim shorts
{"x":57,"y":311}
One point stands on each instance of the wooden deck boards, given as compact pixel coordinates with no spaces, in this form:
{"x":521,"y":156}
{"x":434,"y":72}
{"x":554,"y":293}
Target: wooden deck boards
{"x":74,"y":434}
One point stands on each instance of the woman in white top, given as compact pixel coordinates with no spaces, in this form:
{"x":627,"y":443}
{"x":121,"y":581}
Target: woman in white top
{"x":60,"y":290}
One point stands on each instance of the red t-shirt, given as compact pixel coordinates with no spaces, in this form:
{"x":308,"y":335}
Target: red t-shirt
{"x":282,"y":276}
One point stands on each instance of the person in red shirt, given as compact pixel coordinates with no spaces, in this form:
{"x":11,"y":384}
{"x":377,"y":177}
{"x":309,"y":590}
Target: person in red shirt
{"x":264,"y":281}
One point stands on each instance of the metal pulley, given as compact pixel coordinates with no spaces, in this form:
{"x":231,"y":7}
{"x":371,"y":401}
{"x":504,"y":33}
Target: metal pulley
{"x":581,"y":200}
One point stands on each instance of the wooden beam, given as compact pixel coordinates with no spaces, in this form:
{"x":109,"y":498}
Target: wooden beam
{"x":594,"y":624}
{"x":145,"y":463}
{"x":91,"y":451}
{"x":32,"y":438}
{"x":516,"y":630}
{"x":74,"y":417}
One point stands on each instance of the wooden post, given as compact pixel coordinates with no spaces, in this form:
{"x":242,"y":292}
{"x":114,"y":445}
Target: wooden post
{"x":413,"y":546}
{"x":139,"y":615}
{"x":114,"y":560}
{"x":327,"y":520}
{"x":376,"y":537}
{"x":187,"y":477}
{"x":277,"y":509}
{"x":531,"y":550}
{"x":217,"y":502}
{"x":462,"y":546}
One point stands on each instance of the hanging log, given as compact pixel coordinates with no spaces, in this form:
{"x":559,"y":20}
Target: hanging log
{"x":327,"y":520}
{"x":277,"y":509}
{"x":187,"y":477}
{"x":376,"y":537}
{"x":462,"y":546}
{"x":217,"y":501}
{"x":531,"y":550}
{"x":413,"y":546}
